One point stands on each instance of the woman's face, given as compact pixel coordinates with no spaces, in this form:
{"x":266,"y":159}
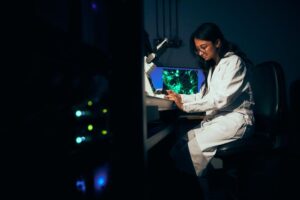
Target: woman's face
{"x":206,"y":49}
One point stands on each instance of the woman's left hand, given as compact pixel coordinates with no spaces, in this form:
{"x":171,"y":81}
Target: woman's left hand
{"x":176,"y":98}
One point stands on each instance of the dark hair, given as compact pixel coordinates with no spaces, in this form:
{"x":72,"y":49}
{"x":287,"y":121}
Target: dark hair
{"x":211,"y":32}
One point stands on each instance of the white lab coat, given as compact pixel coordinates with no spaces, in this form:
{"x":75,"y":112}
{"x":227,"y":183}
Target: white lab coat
{"x":228,"y":105}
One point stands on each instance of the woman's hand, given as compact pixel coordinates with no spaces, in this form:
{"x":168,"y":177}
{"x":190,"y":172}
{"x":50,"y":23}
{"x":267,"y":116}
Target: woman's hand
{"x":171,"y":95}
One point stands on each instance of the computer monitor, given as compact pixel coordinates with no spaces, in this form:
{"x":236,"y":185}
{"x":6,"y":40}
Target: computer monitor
{"x":183,"y":80}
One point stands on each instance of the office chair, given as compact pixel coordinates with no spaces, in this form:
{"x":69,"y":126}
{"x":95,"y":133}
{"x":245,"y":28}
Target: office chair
{"x":268,"y":85}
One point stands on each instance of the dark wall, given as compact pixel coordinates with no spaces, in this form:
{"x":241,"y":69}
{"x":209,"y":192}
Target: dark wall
{"x":264,"y":29}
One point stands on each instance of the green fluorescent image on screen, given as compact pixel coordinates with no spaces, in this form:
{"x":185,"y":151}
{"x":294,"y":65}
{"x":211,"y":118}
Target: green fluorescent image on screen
{"x":182,"y":81}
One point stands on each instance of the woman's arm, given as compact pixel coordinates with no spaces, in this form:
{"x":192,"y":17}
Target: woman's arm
{"x":226,"y":85}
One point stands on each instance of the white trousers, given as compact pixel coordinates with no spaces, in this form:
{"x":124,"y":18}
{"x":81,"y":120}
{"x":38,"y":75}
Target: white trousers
{"x":193,"y":152}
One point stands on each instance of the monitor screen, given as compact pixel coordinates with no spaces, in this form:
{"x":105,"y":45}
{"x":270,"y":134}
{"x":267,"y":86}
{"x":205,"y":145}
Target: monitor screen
{"x":181,"y":80}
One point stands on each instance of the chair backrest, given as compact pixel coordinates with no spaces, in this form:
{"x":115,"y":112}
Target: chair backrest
{"x":268,"y":86}
{"x":269,"y":94}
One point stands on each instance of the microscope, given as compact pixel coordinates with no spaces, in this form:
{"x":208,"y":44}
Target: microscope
{"x":149,"y":66}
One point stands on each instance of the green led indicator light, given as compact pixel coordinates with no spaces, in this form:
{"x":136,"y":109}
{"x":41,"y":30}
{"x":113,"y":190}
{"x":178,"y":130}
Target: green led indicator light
{"x":104,"y":110}
{"x":90,"y":127}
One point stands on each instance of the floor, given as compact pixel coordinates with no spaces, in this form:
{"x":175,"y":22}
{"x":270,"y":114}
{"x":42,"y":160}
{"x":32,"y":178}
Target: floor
{"x":272,"y":176}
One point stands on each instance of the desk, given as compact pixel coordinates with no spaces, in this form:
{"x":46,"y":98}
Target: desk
{"x":161,"y":117}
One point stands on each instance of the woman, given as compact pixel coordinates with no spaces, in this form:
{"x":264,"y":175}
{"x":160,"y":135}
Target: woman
{"x":225,"y":96}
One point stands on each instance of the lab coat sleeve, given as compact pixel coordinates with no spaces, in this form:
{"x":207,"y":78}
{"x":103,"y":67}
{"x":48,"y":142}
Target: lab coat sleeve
{"x":186,"y":98}
{"x":226,"y":85}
